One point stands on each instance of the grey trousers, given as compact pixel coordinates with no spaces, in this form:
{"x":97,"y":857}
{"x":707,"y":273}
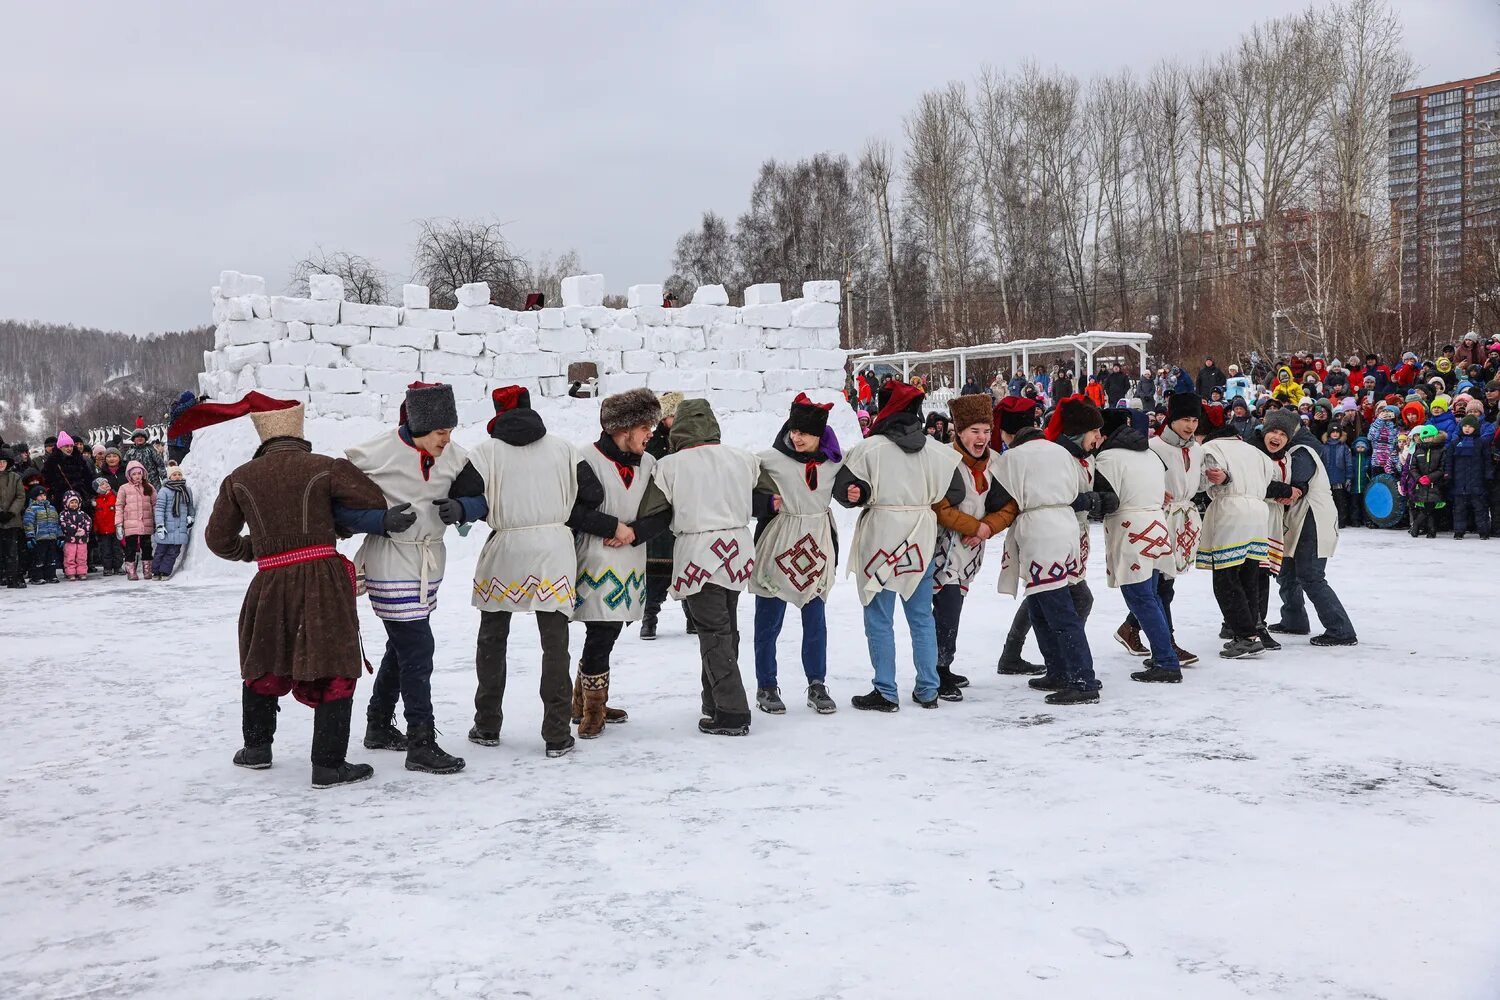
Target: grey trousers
{"x":556,"y":684}
{"x":715,"y":609}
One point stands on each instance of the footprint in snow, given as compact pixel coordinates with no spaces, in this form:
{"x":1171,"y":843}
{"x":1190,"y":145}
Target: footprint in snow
{"x":1044,"y":971}
{"x":1005,"y":881}
{"x":1103,"y":944}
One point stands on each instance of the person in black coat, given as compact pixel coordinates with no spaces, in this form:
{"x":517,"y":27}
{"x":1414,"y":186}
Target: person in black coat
{"x":1210,"y":377}
{"x":1116,"y":384}
{"x":67,"y":469}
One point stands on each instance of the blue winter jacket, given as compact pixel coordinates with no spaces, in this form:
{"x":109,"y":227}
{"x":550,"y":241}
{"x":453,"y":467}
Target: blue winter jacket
{"x":1447,"y":423}
{"x":41,"y":521}
{"x":173,"y":511}
{"x":1339,"y":461}
{"x":184,"y":401}
{"x":1469,"y":468}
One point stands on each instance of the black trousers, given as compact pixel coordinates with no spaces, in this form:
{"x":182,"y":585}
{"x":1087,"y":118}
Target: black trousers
{"x":111,"y":553}
{"x":138,"y":545}
{"x":405,"y":672}
{"x":1166,"y":589}
{"x":10,"y":553}
{"x":1471,"y":513}
{"x":716,"y":610}
{"x":657,"y":585}
{"x":1242,"y":592}
{"x":947,"y":609}
{"x":598,"y":642}
{"x":1423,"y":519}
{"x":1341,"y":504}
{"x":556,"y":683}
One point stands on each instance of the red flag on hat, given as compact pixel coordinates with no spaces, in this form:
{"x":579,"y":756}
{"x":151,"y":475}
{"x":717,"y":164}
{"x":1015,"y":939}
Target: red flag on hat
{"x":802,"y":400}
{"x":202,"y":415}
{"x":902,"y":396}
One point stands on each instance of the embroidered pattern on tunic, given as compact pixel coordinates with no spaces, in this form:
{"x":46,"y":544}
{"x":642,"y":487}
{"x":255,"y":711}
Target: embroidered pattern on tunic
{"x":493,"y":589}
{"x":620,"y":592}
{"x":803,"y":563}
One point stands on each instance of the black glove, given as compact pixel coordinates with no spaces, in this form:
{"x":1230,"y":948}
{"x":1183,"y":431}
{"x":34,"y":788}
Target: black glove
{"x":1083,"y":503}
{"x":6,"y":517}
{"x":450,"y":511}
{"x":399,"y":518}
{"x":1105,"y":503}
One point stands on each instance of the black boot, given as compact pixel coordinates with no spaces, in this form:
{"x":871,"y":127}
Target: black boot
{"x":382,"y":734}
{"x":1157,"y":675}
{"x":423,"y":753}
{"x":1267,"y":641}
{"x":726,"y":724}
{"x":1073,"y":696}
{"x":948,"y":687}
{"x":1046,"y":684}
{"x":874,"y":702}
{"x":1017,"y":666}
{"x":330,"y":744}
{"x":258,"y":723}
{"x":648,"y":625}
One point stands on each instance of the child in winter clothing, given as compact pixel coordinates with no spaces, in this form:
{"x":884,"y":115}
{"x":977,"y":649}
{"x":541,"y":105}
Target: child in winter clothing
{"x":174,"y":516}
{"x":1360,"y":481}
{"x":1426,"y":478}
{"x":42,"y":532}
{"x":135,"y":518}
{"x":1338,"y":461}
{"x":1471,"y":471}
{"x":1382,"y":435}
{"x":111,"y":555}
{"x":12,"y":509}
{"x":76,"y":526}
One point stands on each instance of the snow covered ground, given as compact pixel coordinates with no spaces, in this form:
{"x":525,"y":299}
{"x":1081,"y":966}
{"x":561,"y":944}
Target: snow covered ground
{"x":1311,"y":824}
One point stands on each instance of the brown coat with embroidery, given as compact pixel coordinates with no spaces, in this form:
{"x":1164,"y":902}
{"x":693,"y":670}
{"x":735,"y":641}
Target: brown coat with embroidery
{"x":298,"y":621}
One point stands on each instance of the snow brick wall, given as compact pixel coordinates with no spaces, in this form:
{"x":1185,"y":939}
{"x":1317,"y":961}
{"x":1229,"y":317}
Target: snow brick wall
{"x":344,"y":359}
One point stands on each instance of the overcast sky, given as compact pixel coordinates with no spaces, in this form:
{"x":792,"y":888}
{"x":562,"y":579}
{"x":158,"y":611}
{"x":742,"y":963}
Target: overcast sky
{"x":144,"y":147}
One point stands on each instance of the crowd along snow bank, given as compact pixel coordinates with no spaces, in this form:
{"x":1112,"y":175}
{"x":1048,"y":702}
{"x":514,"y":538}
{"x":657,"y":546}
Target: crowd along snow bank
{"x":348,"y":359}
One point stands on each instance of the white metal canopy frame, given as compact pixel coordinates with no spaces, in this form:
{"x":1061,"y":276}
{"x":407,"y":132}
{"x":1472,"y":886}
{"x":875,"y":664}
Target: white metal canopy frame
{"x":1083,"y":346}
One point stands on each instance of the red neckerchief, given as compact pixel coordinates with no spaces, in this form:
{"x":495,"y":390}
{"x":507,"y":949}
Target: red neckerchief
{"x":1187,"y":462}
{"x":426,"y":461}
{"x":981,"y":482}
{"x":810,"y":474}
{"x":627,"y":474}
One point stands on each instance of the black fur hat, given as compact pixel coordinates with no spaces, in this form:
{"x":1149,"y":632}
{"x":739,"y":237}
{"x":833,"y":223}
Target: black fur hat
{"x":632,"y":408}
{"x":807,"y":416}
{"x":1184,"y":404}
{"x":429,"y":407}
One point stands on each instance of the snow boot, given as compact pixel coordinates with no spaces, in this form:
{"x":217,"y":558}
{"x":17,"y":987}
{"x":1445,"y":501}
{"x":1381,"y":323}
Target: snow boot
{"x":948,"y":688}
{"x":1129,"y":636}
{"x":613,"y":716}
{"x":648,"y":626}
{"x":933,"y":701}
{"x":382,"y":734}
{"x":1157,"y":675}
{"x":562,"y":747}
{"x":423,"y":753}
{"x":1018,"y":667}
{"x":874,"y":702}
{"x":330,"y":744}
{"x":1236,"y":648}
{"x":1184,"y":658}
{"x":1281,"y":629}
{"x":258,"y":724}
{"x":726,"y":724}
{"x":130,"y":570}
{"x":1046,"y":684}
{"x":818,"y":699}
{"x":484,"y":737}
{"x":768,"y":700}
{"x":1458,"y":536}
{"x":593,"y":694}
{"x":1267,"y":641}
{"x":577,"y":710}
{"x":1073,"y":696}
{"x":1328,"y":640}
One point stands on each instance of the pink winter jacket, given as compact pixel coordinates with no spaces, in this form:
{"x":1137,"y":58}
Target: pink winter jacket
{"x":135,"y":510}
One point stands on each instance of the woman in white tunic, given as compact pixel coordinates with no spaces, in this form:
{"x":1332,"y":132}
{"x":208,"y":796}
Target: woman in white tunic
{"x":796,"y":548}
{"x":611,"y":567}
{"x":1311,"y":534}
{"x":702,"y":491}
{"x":896,"y":475}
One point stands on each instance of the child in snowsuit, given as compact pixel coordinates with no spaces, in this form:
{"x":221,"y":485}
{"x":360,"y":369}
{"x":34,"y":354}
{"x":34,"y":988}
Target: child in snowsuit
{"x":42,"y":533}
{"x":1382,"y":435}
{"x":1426,"y":479}
{"x":1471,"y":469}
{"x":1360,"y":482}
{"x":173,"y":512}
{"x":134,"y":519}
{"x":106,"y":545}
{"x":1338,"y":461}
{"x":76,"y":526}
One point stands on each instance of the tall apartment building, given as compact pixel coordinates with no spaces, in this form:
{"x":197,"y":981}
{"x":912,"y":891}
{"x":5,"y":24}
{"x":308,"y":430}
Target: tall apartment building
{"x":1444,"y":181}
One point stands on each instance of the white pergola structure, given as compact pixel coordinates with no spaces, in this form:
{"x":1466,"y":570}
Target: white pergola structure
{"x":1083,"y":346}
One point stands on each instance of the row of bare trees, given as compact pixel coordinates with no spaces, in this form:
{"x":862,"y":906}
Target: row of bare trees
{"x":1233,"y":205}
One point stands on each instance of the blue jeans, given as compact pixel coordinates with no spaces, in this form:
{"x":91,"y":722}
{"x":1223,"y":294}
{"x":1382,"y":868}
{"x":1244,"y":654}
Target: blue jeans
{"x":770,"y":612}
{"x":1059,"y":633}
{"x":405,"y":672}
{"x":1302,"y":571}
{"x":880,"y":636}
{"x":1144,"y":601}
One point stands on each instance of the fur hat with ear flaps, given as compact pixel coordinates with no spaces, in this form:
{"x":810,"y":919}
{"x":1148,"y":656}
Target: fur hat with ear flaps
{"x":632,"y":408}
{"x":429,"y":406}
{"x":967,"y":411}
{"x":807,"y":416}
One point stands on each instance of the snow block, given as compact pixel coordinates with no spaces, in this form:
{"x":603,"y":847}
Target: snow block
{"x":550,"y":319}
{"x":389,"y":383}
{"x":736,"y":379}
{"x":708,"y":359}
{"x":769,"y":315}
{"x":534,"y":365}
{"x":816,"y":314}
{"x":623,"y":318}
{"x":531,"y":319}
{"x":476,"y":319}
{"x":446,"y":363}
{"x":345,"y":404}
{"x":475,"y":293}
{"x":252,"y":331}
{"x":384,"y":359}
{"x":296,"y":330}
{"x":569,"y":339}
{"x":467,"y":387}
{"x":703,"y":315}
{"x":677,"y":380}
{"x":732,"y":401}
{"x":609,"y":385}
{"x":321,"y":287}
{"x":284,"y":307}
{"x":511,"y":340}
{"x":335,"y":379}
{"x":343,"y":336}
{"x":767,"y":294}
{"x":763,"y":360}
{"x":594,"y":317}
{"x":733,"y":337}
{"x":583,"y":290}
{"x":710,"y":295}
{"x":821,"y":291}
{"x":674,"y":340}
{"x":261,"y":304}
{"x":612,"y":338}
{"x":415,"y":297}
{"x":291,"y":352}
{"x":788,"y":380}
{"x":246,"y":380}
{"x":639,"y":362}
{"x":282,"y":376}
{"x":235,"y":358}
{"x":643,"y":295}
{"x":821,"y":360}
{"x":427,"y":319}
{"x":404,"y":336}
{"x":651,"y":315}
{"x":228,"y":309}
{"x":359,"y":314}
{"x":233,"y":284}
{"x":461,"y":343}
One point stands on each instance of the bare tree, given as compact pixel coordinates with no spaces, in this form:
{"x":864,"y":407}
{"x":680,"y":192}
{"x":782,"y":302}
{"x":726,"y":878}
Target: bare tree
{"x":876,"y":174}
{"x":363,"y":280}
{"x":936,"y":189}
{"x":705,"y":256}
{"x":545,"y":274}
{"x":454,"y":252}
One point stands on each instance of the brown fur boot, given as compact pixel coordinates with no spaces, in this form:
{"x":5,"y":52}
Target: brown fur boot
{"x":578,"y":697}
{"x":595,"y":690}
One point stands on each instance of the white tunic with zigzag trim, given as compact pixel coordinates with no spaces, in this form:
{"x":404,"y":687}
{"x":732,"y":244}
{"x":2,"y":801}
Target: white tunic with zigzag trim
{"x":528,"y":563}
{"x":794,"y":555}
{"x":709,"y":488}
{"x":896,"y":534}
{"x":393,"y":569}
{"x":1236,"y":528}
{"x":1137,"y":541}
{"x":611,"y":582}
{"x":1043,"y":548}
{"x":1184,"y":481}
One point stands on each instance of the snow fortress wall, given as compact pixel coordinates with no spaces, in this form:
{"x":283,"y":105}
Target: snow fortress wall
{"x":345,"y":359}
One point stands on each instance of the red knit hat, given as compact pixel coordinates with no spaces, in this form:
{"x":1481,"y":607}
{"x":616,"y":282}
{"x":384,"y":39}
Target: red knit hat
{"x":1014,"y":414}
{"x":507,"y":398}
{"x":902,"y":397}
{"x":1214,"y":414}
{"x":1074,"y":415}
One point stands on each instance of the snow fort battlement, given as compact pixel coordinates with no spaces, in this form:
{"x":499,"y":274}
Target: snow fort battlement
{"x":346,"y":359}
